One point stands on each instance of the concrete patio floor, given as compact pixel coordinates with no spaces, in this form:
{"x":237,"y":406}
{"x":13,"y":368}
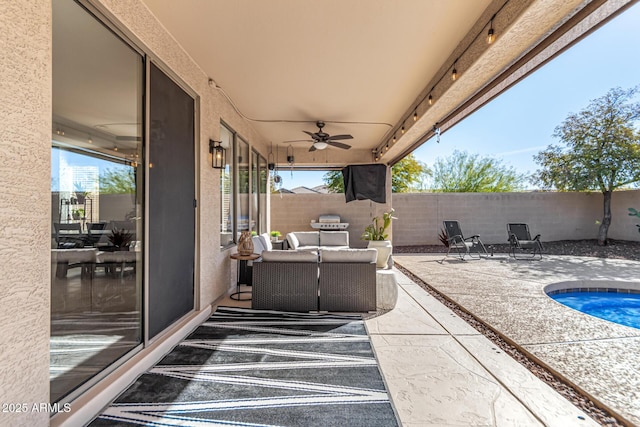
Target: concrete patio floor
{"x":442,"y":372}
{"x":598,"y":356}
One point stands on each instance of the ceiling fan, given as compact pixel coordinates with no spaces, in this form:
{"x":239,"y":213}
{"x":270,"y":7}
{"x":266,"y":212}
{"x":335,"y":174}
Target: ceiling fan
{"x":322,"y":140}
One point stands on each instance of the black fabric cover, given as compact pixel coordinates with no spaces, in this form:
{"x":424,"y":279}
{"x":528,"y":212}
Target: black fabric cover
{"x":362,"y":182}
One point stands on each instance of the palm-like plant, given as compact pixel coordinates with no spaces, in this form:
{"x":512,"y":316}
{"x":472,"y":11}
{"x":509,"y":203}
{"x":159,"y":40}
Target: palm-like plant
{"x":443,"y":237}
{"x":634,"y":212}
{"x":377,"y":229}
{"x":120,"y":238}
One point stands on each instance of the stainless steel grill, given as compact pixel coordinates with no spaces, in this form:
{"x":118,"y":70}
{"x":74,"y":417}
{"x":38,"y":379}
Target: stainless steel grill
{"x":329,"y":222}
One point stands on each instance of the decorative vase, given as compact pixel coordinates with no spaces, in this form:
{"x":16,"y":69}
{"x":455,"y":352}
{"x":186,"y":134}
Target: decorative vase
{"x":245,"y":243}
{"x":384,"y":248}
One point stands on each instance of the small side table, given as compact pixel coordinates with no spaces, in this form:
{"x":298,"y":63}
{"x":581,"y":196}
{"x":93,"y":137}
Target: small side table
{"x":277,"y":244}
{"x":242,"y":265}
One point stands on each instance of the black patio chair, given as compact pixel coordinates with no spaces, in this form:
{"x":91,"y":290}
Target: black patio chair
{"x":520,"y":241}
{"x":463,"y":246}
{"x":68,"y":235}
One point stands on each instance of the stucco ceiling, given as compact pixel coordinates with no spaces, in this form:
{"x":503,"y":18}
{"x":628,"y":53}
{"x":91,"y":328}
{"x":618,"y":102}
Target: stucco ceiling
{"x":362,"y":66}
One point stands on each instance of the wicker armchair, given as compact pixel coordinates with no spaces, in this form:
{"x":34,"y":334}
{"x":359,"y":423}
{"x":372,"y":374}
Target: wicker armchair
{"x":348,"y":280}
{"x":286,"y":280}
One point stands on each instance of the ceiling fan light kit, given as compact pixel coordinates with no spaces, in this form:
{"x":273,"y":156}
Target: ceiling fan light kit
{"x":322,"y":140}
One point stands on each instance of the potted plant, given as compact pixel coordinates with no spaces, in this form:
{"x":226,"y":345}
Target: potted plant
{"x":80,"y":193}
{"x":78,"y":213}
{"x":275,"y":235}
{"x":120,"y":239}
{"x":376,"y":234}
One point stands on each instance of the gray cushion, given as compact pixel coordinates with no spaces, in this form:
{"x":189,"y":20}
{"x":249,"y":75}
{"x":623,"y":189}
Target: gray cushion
{"x":72,"y":256}
{"x":258,"y":247}
{"x":334,"y":238}
{"x":292,"y":241}
{"x":308,"y":238}
{"x":348,"y":255}
{"x":266,"y":241}
{"x":289,"y":256}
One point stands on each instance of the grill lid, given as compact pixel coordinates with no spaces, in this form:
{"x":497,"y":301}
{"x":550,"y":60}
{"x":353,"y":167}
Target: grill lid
{"x":329,"y":222}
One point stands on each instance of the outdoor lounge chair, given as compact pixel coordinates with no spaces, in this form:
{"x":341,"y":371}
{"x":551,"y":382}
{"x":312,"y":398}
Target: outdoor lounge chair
{"x":463,"y":246}
{"x":520,"y":240}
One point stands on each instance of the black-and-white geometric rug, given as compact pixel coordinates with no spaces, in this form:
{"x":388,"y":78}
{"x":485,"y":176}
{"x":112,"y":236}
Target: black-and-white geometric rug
{"x":261,"y":368}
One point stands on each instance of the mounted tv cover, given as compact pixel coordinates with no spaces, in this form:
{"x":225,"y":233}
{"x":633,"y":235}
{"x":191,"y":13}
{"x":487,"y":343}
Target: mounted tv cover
{"x":365,"y":182}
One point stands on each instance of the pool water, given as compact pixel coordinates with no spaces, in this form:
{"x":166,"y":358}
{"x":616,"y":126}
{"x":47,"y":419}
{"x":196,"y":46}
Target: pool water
{"x":620,"y":308}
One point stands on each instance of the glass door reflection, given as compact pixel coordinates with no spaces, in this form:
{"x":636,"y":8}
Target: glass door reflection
{"x":96,"y":199}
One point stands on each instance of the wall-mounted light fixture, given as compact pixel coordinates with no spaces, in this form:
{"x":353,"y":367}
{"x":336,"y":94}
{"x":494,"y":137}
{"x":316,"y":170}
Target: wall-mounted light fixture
{"x":218,"y":154}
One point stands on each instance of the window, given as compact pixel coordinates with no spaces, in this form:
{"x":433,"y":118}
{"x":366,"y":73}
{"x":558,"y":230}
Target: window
{"x":262,"y":191}
{"x":243,"y":189}
{"x":226,"y":190}
{"x":255,"y":202}
{"x":243,"y":217}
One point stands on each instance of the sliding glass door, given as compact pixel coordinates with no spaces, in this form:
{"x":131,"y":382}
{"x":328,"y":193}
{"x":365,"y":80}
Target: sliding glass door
{"x":96,"y":199}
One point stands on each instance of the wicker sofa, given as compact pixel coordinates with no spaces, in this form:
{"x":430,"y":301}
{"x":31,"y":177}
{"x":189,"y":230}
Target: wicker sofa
{"x":328,"y":280}
{"x":314,"y":240}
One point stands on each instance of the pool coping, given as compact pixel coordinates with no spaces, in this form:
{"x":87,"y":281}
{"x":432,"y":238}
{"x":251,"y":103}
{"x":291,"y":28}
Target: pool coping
{"x":608,"y":286}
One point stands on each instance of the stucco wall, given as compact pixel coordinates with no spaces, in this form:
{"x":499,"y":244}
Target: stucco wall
{"x":25,"y":174}
{"x":25,"y":202}
{"x":294,"y":212}
{"x":557,"y":216}
{"x":216,"y":273}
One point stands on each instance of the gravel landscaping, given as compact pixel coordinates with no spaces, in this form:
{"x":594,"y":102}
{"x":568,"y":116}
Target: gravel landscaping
{"x":617,"y":249}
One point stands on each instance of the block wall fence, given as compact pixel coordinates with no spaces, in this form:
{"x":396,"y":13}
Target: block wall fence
{"x":556,"y":216}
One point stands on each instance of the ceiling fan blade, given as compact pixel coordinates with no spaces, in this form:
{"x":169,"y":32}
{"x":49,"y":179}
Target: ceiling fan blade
{"x":339,"y":145}
{"x":298,"y":140}
{"x":312,"y":148}
{"x":312,"y":135}
{"x":336,"y":137}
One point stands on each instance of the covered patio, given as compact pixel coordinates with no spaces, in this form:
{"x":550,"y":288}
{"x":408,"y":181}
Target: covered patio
{"x":440,"y":370}
{"x":156,"y":88}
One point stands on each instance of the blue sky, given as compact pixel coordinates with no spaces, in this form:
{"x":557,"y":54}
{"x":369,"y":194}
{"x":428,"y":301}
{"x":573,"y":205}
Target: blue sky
{"x":520,"y":122}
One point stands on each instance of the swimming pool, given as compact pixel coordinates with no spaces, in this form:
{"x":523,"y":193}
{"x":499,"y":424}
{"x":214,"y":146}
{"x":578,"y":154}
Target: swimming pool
{"x":619,"y":307}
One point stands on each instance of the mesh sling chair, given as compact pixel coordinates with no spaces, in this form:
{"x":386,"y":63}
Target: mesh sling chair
{"x":520,"y":241}
{"x":463,"y":246}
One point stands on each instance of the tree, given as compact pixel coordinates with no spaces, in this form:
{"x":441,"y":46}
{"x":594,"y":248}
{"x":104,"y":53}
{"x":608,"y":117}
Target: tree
{"x":469,"y":173}
{"x":120,"y":180}
{"x":334,"y":182}
{"x":600,"y":151}
{"x":407,"y":175}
